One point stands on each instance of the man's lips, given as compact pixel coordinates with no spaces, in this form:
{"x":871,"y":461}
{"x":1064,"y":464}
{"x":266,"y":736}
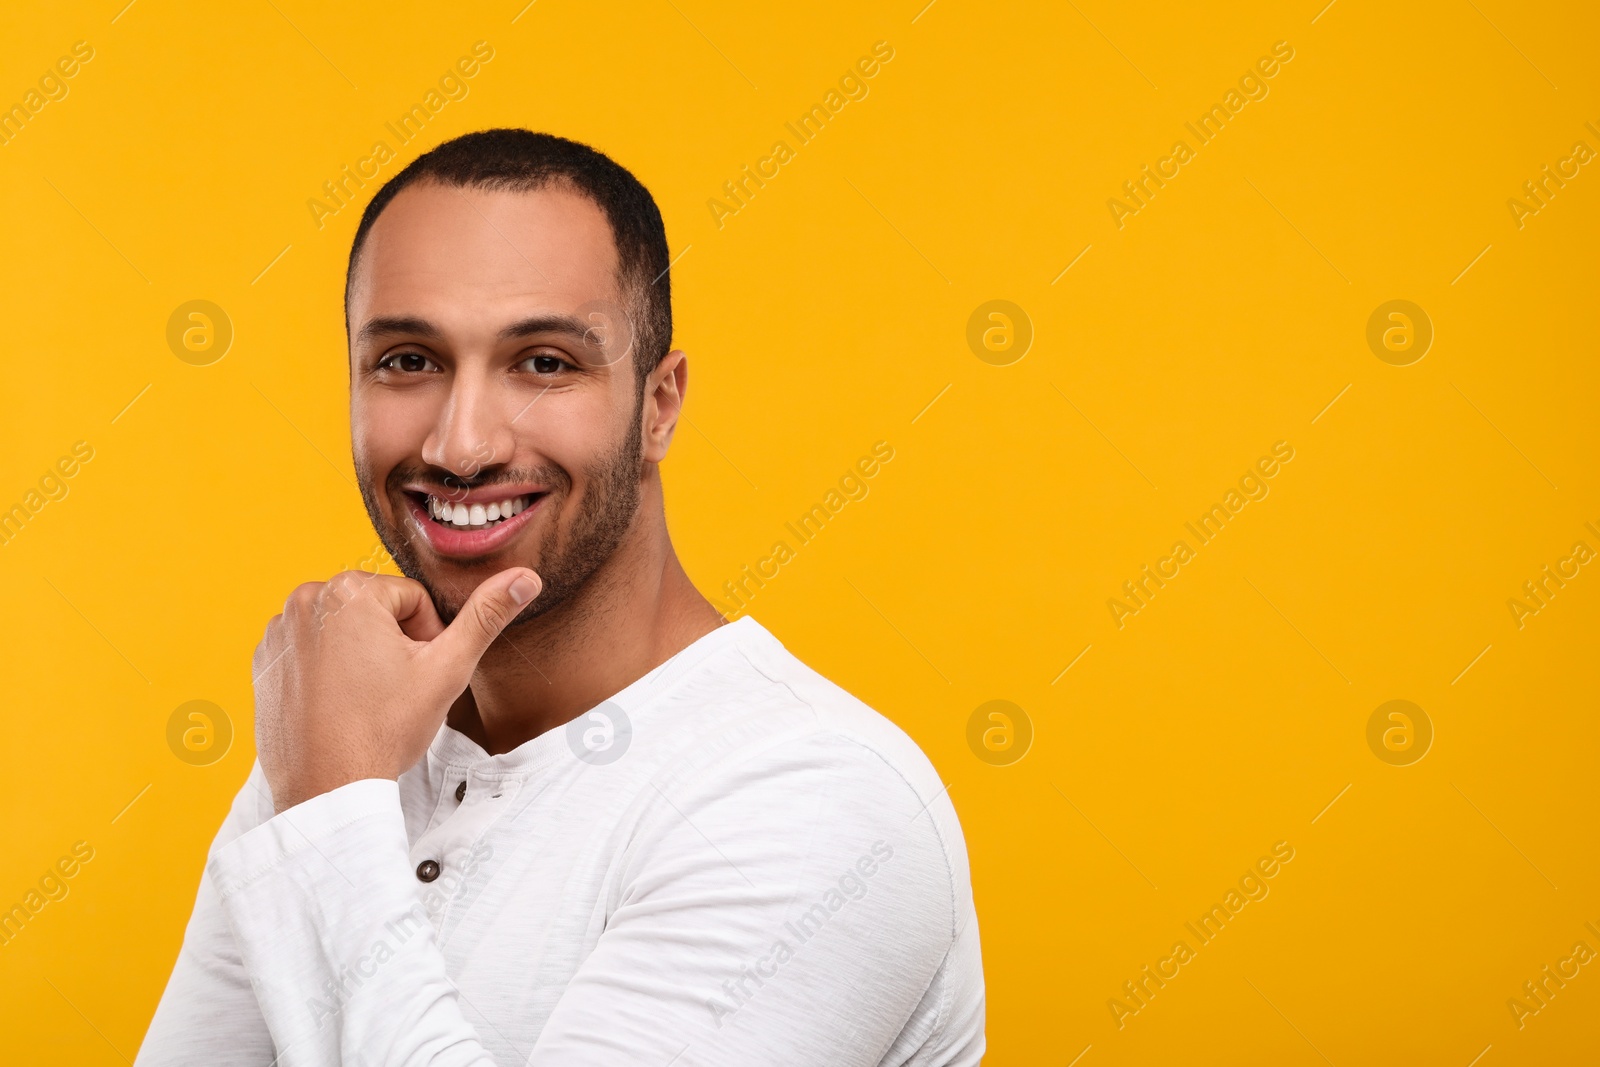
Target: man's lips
{"x":485,"y":494}
{"x":475,"y":523}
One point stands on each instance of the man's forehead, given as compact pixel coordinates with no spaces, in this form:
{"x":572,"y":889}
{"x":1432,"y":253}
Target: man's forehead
{"x":444,"y":246}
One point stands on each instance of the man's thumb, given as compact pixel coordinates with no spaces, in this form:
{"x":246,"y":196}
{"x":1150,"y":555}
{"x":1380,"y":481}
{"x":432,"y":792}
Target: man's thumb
{"x":489,"y":609}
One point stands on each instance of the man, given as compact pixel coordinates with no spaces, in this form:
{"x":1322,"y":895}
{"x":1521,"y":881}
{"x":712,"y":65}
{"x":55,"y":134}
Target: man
{"x":537,"y":802}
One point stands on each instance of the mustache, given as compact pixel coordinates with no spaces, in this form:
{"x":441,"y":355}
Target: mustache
{"x":451,"y":482}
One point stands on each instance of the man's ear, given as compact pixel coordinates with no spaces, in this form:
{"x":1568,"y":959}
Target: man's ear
{"x":664,"y":392}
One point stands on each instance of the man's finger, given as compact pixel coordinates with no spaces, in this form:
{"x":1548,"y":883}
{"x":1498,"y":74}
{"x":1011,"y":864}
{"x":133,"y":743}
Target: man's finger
{"x":489,"y":609}
{"x":407,"y":601}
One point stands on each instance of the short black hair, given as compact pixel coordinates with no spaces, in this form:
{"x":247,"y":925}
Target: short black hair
{"x":522,"y":160}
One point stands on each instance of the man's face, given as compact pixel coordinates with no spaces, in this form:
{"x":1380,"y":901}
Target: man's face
{"x":493,"y":406}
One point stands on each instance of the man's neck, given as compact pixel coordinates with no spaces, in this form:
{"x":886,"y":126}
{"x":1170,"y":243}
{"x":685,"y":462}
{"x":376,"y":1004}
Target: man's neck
{"x":634,"y":613}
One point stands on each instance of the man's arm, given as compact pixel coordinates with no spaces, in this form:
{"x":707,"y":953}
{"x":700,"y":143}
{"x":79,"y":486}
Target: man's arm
{"x":208,"y":1013}
{"x":331,"y":928}
{"x":372,"y":677}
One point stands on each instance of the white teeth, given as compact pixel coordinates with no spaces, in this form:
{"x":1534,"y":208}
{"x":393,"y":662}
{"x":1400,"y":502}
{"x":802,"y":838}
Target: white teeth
{"x":479,"y":515}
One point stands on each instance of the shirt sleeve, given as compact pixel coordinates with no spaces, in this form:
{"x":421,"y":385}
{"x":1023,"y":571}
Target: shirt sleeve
{"x":208,"y":1012}
{"x":336,"y":938}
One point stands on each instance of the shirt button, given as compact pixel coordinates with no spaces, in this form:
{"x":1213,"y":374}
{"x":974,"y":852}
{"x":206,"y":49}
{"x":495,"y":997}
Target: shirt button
{"x":427,"y":870}
{"x":461,"y":792}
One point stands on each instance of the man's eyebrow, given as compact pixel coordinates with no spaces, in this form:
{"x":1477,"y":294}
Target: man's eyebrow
{"x":565,"y":325}
{"x":400,"y":324}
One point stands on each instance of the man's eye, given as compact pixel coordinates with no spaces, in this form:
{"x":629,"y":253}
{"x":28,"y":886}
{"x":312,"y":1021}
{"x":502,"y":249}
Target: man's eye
{"x":406,"y":362}
{"x":543,"y":365}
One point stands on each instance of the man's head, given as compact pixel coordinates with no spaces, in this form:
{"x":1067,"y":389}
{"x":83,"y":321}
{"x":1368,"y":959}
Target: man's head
{"x":509,"y":314}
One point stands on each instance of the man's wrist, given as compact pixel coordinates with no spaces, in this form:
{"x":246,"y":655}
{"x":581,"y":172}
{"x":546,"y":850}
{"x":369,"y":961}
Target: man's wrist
{"x":296,"y":793}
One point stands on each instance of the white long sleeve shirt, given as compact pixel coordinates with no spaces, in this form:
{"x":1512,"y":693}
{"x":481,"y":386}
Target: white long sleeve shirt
{"x":732,"y":862}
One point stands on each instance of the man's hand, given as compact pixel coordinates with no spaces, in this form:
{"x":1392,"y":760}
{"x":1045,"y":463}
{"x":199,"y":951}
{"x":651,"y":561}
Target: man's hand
{"x":355,"y":677}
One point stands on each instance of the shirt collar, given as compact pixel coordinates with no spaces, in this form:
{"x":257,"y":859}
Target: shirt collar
{"x":452,"y":748}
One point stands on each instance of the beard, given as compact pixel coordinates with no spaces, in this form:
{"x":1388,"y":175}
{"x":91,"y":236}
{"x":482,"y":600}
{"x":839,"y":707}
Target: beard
{"x":565,"y":557}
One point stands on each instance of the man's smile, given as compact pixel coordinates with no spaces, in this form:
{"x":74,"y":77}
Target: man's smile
{"x":475,"y":523}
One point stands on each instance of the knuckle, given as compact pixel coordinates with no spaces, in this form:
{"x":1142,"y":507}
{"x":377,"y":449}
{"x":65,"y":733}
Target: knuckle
{"x":353,"y":579}
{"x":386,"y":581}
{"x":337,"y":592}
{"x":487,"y":615}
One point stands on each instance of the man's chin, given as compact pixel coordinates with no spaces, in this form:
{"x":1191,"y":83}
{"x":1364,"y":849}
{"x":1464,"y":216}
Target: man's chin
{"x":449,"y":611}
{"x":450,"y":584}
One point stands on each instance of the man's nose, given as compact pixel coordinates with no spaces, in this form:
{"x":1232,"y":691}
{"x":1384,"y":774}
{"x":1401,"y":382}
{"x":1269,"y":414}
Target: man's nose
{"x":473,"y":431}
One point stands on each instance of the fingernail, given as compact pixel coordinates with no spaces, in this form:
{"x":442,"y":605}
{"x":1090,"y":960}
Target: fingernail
{"x":523,"y":590}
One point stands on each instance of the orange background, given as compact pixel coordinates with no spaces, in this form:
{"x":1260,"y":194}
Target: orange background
{"x":830,"y":312}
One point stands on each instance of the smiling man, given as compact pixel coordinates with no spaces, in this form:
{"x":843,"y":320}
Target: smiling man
{"x":537,"y":802}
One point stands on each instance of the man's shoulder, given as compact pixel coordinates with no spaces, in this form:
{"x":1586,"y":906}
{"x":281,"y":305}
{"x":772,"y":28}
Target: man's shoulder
{"x":760,"y":699}
{"x":758,"y":730}
{"x":790,"y":773}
